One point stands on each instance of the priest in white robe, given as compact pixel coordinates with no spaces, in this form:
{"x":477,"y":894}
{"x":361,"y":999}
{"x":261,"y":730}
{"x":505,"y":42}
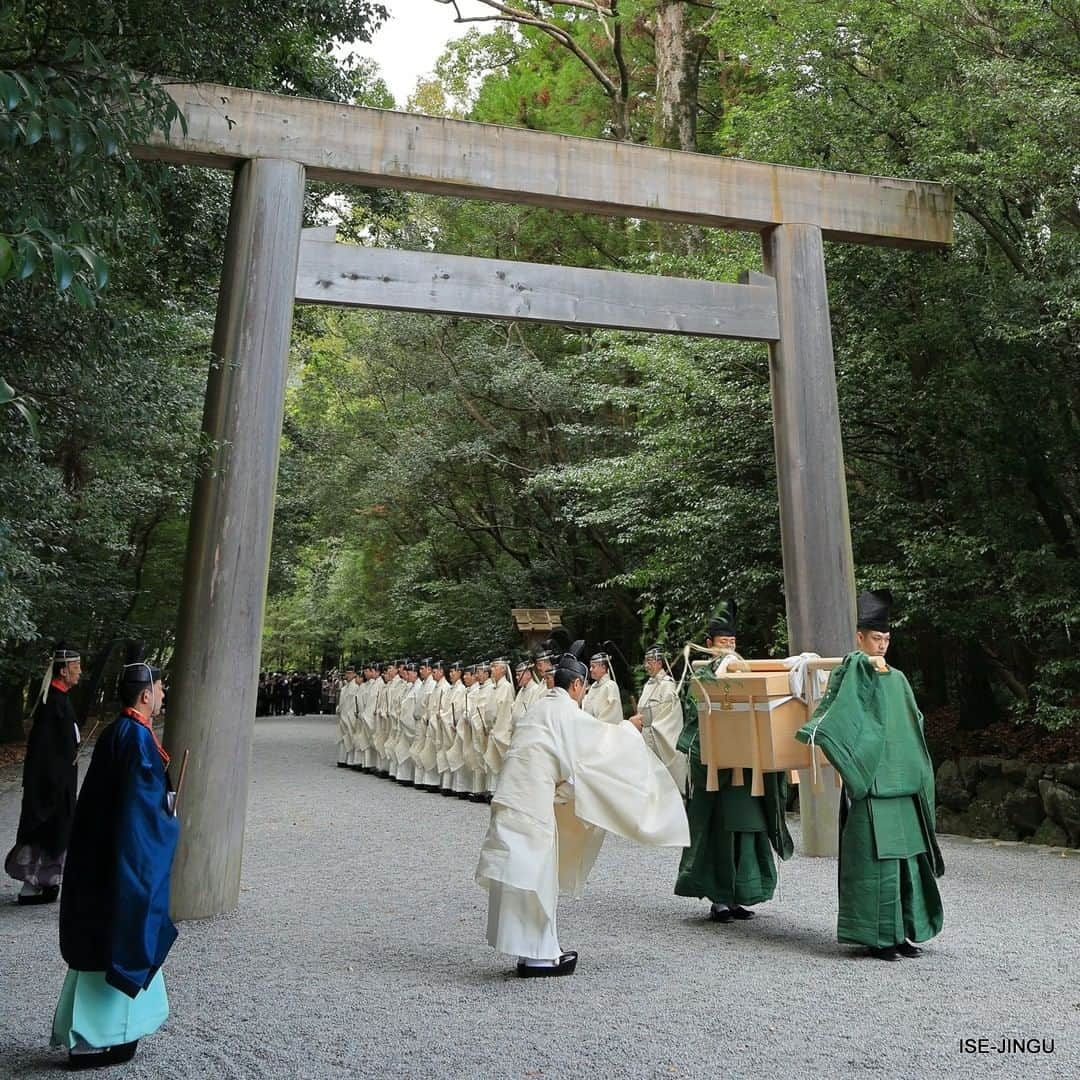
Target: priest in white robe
{"x":383,"y":705}
{"x":659,"y":716}
{"x":427,"y":747}
{"x":447,"y":722}
{"x":460,"y":773}
{"x":476,"y":713}
{"x":530,"y":686}
{"x":567,"y":779}
{"x":399,"y":687}
{"x":346,"y":709}
{"x":408,"y":719}
{"x":602,"y":699}
{"x":365,"y":706}
{"x":499,"y":715}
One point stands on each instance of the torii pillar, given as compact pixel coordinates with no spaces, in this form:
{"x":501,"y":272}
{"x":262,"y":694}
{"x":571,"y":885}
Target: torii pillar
{"x":216,"y":669}
{"x":819,"y":573}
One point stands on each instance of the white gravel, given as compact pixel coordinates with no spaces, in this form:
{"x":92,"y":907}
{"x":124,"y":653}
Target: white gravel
{"x":358,"y":950}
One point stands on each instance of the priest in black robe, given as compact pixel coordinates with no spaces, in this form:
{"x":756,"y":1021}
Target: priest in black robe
{"x":50,"y":781}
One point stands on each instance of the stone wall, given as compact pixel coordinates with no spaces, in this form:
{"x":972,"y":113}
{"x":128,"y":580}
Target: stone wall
{"x":1012,"y":800}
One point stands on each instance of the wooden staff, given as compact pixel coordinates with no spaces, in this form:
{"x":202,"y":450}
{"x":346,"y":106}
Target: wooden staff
{"x":83,"y":742}
{"x":180,"y":782}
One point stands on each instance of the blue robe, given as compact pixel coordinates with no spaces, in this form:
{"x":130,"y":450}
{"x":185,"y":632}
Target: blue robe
{"x":114,"y":906}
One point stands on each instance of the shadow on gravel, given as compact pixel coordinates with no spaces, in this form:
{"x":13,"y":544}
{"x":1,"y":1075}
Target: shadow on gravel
{"x":758,"y":933}
{"x":33,"y":1062}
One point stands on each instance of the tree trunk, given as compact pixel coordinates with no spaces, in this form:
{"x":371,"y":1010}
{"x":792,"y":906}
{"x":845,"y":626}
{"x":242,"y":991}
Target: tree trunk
{"x":678,"y":62}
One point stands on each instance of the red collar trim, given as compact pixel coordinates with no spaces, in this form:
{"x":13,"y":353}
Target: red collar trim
{"x":57,"y":684}
{"x":140,"y":719}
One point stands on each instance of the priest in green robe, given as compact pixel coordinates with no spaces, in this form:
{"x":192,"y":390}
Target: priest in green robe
{"x":733,"y":834}
{"x":871,"y":730}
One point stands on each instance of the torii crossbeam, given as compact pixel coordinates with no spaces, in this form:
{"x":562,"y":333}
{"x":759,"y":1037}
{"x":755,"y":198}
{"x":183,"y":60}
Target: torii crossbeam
{"x":273,"y":144}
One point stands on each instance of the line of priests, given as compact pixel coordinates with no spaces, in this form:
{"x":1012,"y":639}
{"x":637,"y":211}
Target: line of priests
{"x":440,"y":727}
{"x":447,"y":727}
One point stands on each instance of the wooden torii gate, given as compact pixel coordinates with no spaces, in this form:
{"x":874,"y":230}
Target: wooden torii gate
{"x":273,"y":144}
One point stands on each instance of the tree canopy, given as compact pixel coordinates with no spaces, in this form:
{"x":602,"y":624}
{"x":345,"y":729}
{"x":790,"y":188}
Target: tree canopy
{"x":437,"y":472}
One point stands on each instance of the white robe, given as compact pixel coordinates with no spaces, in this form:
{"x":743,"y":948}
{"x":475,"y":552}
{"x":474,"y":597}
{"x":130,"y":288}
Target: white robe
{"x":346,"y":714}
{"x":604,"y":779}
{"x":525,"y":697}
{"x":477,"y":737}
{"x":499,"y":715}
{"x":662,"y":724}
{"x":407,"y":729}
{"x":359,"y":734}
{"x":416,"y":745}
{"x":427,"y":759}
{"x":461,"y":771}
{"x":602,"y":701}
{"x":369,"y":694}
{"x":447,"y":732}
{"x":398,"y":689}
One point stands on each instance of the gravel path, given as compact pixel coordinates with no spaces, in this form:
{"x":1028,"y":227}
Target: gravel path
{"x":358,"y":950}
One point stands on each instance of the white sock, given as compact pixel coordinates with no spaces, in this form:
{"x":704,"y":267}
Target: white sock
{"x":30,"y":890}
{"x":530,"y":961}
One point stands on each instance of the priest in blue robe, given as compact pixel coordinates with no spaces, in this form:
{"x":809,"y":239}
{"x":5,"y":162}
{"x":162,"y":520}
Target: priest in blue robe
{"x":115,"y":930}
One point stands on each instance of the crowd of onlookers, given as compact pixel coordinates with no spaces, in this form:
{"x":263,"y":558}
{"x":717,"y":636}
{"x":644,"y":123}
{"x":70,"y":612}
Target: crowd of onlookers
{"x":299,"y":693}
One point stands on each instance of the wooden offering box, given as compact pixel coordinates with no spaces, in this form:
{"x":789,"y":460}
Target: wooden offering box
{"x":748,"y":720}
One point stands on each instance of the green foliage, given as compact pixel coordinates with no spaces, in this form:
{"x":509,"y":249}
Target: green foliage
{"x":631,"y":480}
{"x":108,"y":281}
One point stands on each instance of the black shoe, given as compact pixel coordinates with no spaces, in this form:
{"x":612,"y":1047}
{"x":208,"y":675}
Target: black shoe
{"x":447,"y":791}
{"x":115,"y":1055}
{"x":565,"y":966}
{"x":887,"y":952}
{"x":340,"y":765}
{"x":741,"y":913}
{"x":720,"y":913}
{"x":905,"y":948}
{"x":48,"y":895}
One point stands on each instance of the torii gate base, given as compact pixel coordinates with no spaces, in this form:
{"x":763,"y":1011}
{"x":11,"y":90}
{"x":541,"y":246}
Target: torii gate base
{"x":272,"y":142}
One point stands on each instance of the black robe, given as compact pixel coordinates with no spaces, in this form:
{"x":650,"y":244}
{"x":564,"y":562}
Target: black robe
{"x":50,"y":776}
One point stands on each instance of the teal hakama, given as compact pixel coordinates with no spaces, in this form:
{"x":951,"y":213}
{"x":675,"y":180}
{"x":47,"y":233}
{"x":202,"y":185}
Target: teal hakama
{"x":871,"y":730}
{"x":93,"y":1014}
{"x":115,"y":930}
{"x":733,"y":834}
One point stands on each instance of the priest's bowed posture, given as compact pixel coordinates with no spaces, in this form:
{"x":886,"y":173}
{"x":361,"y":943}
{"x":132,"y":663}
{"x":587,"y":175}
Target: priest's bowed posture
{"x":50,"y":780}
{"x":567,"y":778}
{"x":115,"y":930}
{"x":871,"y":730}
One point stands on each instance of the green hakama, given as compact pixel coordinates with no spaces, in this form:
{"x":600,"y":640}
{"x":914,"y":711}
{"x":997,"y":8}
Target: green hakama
{"x":870,"y":728}
{"x":733,"y":834}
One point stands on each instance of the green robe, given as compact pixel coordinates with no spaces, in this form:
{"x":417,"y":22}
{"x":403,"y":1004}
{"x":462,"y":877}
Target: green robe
{"x":871,"y":730}
{"x":732,"y":833}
